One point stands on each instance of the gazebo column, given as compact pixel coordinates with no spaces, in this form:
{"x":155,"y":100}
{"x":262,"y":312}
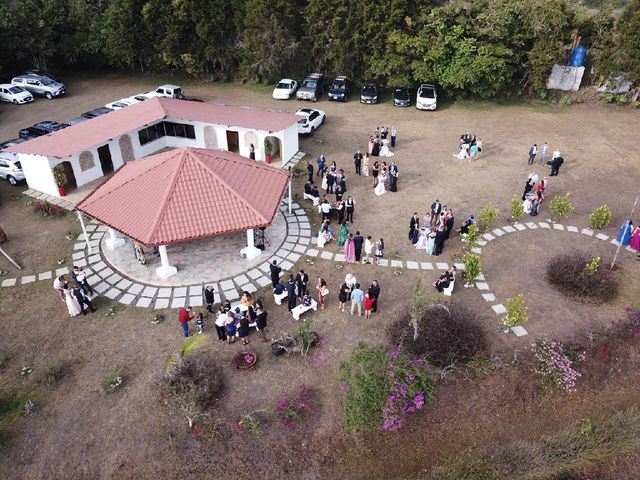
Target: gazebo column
{"x":250,"y":251}
{"x":166,"y":269}
{"x":113,"y":241}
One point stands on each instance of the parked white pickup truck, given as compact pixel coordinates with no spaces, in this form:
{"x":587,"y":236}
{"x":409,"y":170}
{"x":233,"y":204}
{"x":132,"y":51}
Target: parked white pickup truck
{"x":170,"y":91}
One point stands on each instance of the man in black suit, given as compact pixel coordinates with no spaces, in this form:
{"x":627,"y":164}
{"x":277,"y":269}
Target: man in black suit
{"x":275,"y":273}
{"x":291,"y":293}
{"x":556,"y":163}
{"x":393,"y":176}
{"x":350,"y":206}
{"x":82,"y":299}
{"x":358,"y":240}
{"x":374,"y":293}
{"x":301,"y":282}
{"x":357,"y":161}
{"x":436,"y":208}
{"x":209,"y":298}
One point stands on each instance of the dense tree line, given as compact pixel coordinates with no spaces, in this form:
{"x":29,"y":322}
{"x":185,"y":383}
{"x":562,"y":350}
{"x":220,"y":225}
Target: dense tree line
{"x":474,"y":47}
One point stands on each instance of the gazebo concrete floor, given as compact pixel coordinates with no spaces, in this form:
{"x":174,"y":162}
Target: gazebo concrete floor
{"x":197,"y":261}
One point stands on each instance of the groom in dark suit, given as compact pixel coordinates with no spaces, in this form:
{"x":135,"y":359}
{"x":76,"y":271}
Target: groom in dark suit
{"x":358,"y":240}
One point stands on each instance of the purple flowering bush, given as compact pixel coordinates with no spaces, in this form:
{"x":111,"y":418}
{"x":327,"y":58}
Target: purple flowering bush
{"x":291,"y":408}
{"x":381,"y":388}
{"x":634,"y":318}
{"x":554,"y":363}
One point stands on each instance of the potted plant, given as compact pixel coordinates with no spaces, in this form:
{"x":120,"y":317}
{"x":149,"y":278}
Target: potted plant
{"x":245,"y":360}
{"x":268,"y":150}
{"x":60,"y":178}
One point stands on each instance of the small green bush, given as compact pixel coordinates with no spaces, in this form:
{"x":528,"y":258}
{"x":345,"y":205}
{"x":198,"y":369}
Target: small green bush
{"x":487,"y":215}
{"x":472,"y":236}
{"x":608,"y":97}
{"x":472,"y":267}
{"x":516,"y":209}
{"x":561,"y":206}
{"x":600,"y":218}
{"x":517,"y":311}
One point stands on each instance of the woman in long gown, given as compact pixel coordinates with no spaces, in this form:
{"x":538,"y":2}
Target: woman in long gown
{"x":635,"y":239}
{"x":374,"y":173}
{"x":349,"y":250}
{"x":384,"y":151}
{"x":422,"y":241}
{"x":365,"y":165}
{"x":430,"y":246}
{"x":624,"y":237}
{"x":72,"y":304}
{"x":344,"y":233}
{"x":382,"y":177}
{"x":321,"y":237}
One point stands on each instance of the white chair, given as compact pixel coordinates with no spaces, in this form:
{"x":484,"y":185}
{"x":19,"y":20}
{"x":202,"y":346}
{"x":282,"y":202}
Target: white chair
{"x":278,"y":298}
{"x":449,"y":290}
{"x":315,"y":200}
{"x":300,"y":309}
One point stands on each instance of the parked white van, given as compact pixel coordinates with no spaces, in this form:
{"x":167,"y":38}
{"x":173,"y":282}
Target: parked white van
{"x":170,"y":91}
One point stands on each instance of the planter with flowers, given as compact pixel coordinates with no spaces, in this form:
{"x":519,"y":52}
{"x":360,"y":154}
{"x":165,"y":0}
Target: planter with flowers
{"x":245,"y":360}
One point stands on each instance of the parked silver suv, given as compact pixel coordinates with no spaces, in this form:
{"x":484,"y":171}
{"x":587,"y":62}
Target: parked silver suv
{"x":39,"y":85}
{"x":10,"y":169}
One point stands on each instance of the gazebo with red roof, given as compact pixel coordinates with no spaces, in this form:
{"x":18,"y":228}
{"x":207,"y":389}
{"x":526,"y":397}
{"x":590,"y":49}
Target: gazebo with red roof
{"x":187,"y":194}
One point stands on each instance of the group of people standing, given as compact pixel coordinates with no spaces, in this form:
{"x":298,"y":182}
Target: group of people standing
{"x":77,"y":295}
{"x":556,"y":158}
{"x":351,"y":291}
{"x":469,"y":146}
{"x":378,"y":145}
{"x":433,"y":230}
{"x":533,"y":194}
{"x":353,"y":246}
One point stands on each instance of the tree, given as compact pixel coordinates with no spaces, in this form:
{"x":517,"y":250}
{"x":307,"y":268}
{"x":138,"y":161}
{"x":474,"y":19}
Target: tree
{"x":621,"y":46}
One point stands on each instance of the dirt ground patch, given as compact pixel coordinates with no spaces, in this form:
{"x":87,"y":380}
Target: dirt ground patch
{"x":80,"y":432}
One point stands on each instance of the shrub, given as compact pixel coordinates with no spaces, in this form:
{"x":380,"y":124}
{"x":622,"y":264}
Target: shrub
{"x":446,"y":334}
{"x":114,"y":381}
{"x":600,"y":218}
{"x":517,"y":311}
{"x":567,"y":272}
{"x":47,"y":209}
{"x":382,"y":389}
{"x":553,"y":362}
{"x":472,"y":267}
{"x":201,"y":374}
{"x":561,"y":206}
{"x":290,"y":409}
{"x":472,"y":236}
{"x":517,"y":210}
{"x":487,"y":215}
{"x":52,"y":374}
{"x":591,"y":268}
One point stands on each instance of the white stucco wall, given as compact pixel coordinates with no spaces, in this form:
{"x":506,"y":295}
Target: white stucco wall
{"x":39,"y":177}
{"x":37,"y":171}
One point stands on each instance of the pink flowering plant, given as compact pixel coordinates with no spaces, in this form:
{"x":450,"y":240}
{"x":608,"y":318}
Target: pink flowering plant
{"x":554,"y":363}
{"x":381,"y":389}
{"x":291,"y":408}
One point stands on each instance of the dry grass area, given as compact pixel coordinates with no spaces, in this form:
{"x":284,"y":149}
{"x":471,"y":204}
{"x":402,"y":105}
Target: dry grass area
{"x":81,"y":432}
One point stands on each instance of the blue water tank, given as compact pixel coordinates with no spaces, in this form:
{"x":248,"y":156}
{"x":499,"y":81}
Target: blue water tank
{"x":577,"y":57}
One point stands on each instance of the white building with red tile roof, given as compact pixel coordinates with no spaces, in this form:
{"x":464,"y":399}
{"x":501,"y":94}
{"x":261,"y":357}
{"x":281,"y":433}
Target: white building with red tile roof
{"x":99,"y":146}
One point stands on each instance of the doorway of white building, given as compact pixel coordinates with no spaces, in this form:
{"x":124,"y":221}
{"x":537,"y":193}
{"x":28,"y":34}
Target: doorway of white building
{"x":104,"y":154}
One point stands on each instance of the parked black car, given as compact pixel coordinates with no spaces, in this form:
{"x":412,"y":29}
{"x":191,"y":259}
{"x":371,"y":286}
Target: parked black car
{"x":340,"y":89}
{"x":51,"y":126}
{"x":96,"y":113}
{"x":401,"y":97}
{"x":32,"y":132}
{"x":369,"y":93}
{"x":11,"y":143}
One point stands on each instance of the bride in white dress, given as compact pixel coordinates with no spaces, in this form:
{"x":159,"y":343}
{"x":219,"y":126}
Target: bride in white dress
{"x":380,"y":190}
{"x":422,"y":240}
{"x":384,"y":151}
{"x":72,"y":304}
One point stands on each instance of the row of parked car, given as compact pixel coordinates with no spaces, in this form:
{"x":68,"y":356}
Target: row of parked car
{"x":23,"y":88}
{"x":10,"y":167}
{"x":314,"y":86}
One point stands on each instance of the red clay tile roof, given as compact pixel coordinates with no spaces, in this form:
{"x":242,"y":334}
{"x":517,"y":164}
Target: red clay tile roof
{"x":185,"y":194}
{"x":99,"y":130}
